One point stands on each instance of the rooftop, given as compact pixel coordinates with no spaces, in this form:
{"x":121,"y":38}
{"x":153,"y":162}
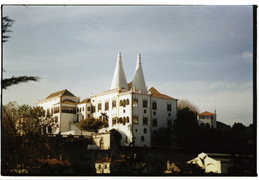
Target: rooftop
{"x":64,"y":92}
{"x":206,"y":113}
{"x":156,"y":93}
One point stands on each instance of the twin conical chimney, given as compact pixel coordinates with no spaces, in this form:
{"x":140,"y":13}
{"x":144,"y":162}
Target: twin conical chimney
{"x":138,"y":80}
{"x":119,"y":79}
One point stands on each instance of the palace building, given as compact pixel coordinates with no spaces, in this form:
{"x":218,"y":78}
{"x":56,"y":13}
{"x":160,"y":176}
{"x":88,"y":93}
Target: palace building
{"x":132,"y":109}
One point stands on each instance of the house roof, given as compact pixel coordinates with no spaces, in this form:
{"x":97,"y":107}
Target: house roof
{"x":64,"y":92}
{"x":206,"y":113}
{"x":113,"y":158}
{"x":85,"y":101}
{"x":156,"y":93}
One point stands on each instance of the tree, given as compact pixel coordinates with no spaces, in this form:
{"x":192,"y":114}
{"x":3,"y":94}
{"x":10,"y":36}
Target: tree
{"x":183,"y":103}
{"x":6,"y":24}
{"x":23,"y":136}
{"x":186,"y":128}
{"x":92,"y":124}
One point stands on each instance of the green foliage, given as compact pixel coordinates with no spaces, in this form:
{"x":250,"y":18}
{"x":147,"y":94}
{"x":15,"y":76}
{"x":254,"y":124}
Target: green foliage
{"x":186,"y":128}
{"x":92,"y":124}
{"x":23,"y":136}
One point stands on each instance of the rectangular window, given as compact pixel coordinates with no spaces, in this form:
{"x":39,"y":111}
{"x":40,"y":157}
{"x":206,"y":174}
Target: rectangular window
{"x":154,"y":105}
{"x":114,"y":104}
{"x":169,"y":123}
{"x":154,"y":122}
{"x":92,"y":109}
{"x":106,"y":106}
{"x":145,"y":121}
{"x":145,"y":103}
{"x":135,"y":102}
{"x":135,"y":119}
{"x":99,"y":106}
{"x":169,"y":107}
{"x":88,"y":108}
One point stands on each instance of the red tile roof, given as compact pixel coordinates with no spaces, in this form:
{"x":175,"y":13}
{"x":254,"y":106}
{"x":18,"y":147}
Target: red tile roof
{"x":206,"y":113}
{"x":64,"y":92}
{"x":85,"y":101}
{"x":156,"y":93}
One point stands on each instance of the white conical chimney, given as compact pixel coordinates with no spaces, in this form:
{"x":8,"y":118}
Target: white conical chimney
{"x":138,"y":80}
{"x":119,"y":79}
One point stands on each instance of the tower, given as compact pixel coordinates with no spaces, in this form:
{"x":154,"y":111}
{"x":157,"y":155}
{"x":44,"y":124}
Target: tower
{"x":119,"y":78}
{"x":138,"y":80}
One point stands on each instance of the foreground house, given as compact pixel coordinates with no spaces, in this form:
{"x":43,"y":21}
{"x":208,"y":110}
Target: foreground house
{"x":132,"y":109}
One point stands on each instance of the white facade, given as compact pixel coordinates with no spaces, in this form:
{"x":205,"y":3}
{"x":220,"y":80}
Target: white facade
{"x":131,"y":109}
{"x":62,"y":106}
{"x":207,"y":119}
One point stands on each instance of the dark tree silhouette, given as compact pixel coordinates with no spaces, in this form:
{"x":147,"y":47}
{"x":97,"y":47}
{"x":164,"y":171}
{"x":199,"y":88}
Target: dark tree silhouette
{"x":6,"y":24}
{"x":17,"y":80}
{"x":186,"y":128}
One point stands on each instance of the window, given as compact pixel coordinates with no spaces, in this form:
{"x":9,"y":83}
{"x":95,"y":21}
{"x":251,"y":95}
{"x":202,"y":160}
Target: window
{"x":145,"y":111}
{"x":83,"y":109}
{"x":144,"y":103}
{"x":169,"y":107}
{"x":124,"y":103}
{"x":88,"y":108}
{"x":128,"y":102}
{"x":154,"y":122}
{"x":105,"y":166}
{"x":211,"y":117}
{"x":169,"y":114}
{"x":93,"y":109}
{"x":207,"y":125}
{"x":135,"y":120}
{"x":127,"y":119}
{"x":145,"y":121}
{"x":145,"y":130}
{"x":169,"y":122}
{"x":106,"y":106}
{"x":154,"y":105}
{"x":154,"y":113}
{"x":99,"y":167}
{"x":142,"y":138}
{"x":123,"y":120}
{"x":135,"y":102}
{"x":114,"y":104}
{"x":99,"y":106}
{"x":114,"y":120}
{"x":136,"y":130}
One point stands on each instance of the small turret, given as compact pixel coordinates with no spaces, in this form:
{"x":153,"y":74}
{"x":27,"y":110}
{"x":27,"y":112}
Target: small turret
{"x":139,"y":80}
{"x":119,"y":79}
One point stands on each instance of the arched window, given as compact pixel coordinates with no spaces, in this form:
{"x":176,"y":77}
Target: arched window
{"x":207,"y":125}
{"x":128,"y":102}
{"x":127,"y":119}
{"x":202,"y":125}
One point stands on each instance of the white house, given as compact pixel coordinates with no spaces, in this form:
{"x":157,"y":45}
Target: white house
{"x":132,"y":109}
{"x":207,"y":119}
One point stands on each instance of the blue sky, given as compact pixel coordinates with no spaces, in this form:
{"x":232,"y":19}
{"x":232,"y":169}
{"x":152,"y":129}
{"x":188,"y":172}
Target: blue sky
{"x":200,"y":53}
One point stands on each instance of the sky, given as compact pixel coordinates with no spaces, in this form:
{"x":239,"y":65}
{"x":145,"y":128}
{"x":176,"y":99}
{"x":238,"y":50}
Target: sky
{"x":200,"y":53}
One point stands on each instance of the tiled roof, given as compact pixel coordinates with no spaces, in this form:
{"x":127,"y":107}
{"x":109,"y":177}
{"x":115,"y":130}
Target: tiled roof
{"x":206,"y":113}
{"x":156,"y":93}
{"x":64,"y":92}
{"x":54,"y":161}
{"x":85,"y":101}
